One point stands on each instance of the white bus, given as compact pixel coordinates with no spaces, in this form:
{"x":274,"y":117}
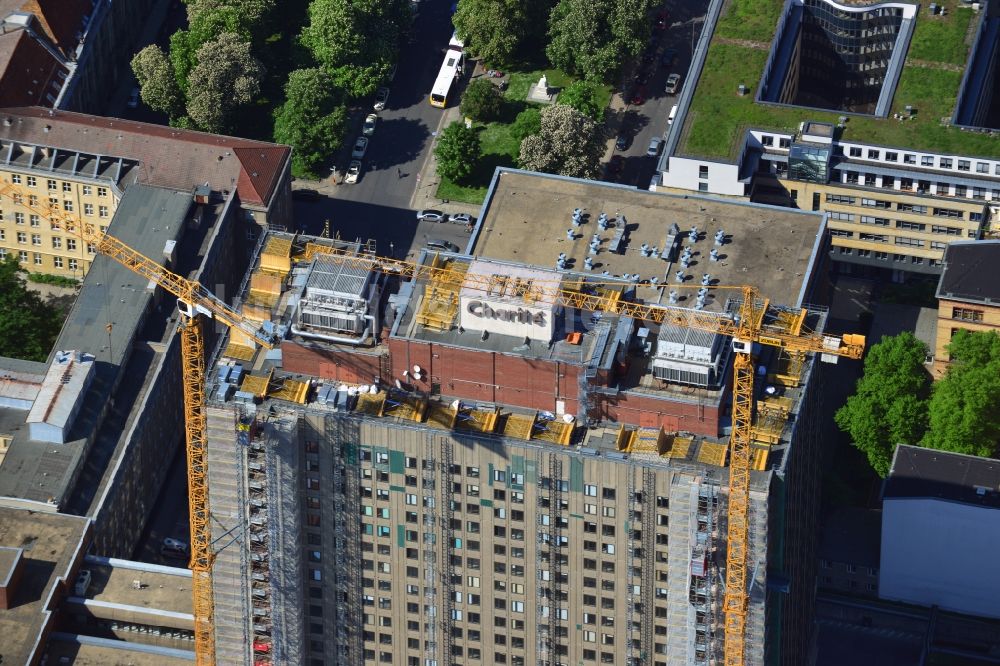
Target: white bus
{"x":451,"y":69}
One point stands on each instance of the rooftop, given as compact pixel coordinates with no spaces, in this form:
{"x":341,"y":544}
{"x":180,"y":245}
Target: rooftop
{"x":29,"y":73}
{"x":771,"y":247}
{"x":161,"y":588}
{"x":88,"y":651}
{"x":50,"y":544}
{"x":971,"y":272}
{"x":927,"y":473}
{"x":111,"y":294}
{"x":172,"y":158}
{"x":718,"y":118}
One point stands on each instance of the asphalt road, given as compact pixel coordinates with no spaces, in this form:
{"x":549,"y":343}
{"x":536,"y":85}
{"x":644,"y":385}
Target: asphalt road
{"x":644,"y":121}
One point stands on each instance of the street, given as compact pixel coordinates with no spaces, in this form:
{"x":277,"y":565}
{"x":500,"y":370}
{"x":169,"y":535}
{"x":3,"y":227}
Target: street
{"x":644,"y":121}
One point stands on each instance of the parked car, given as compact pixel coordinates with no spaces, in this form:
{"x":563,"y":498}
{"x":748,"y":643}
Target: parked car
{"x":381,"y":97}
{"x":133,"y":98}
{"x":306,"y":194}
{"x":638,"y":96}
{"x":622,"y":142}
{"x":353,"y":171}
{"x":82,"y":583}
{"x":370,"y":123}
{"x":174,"y":548}
{"x":673,"y":84}
{"x":360,"y":146}
{"x":429,"y":215}
{"x":654,"y":146}
{"x":447,"y":246}
{"x":461,"y":218}
{"x":668,"y":57}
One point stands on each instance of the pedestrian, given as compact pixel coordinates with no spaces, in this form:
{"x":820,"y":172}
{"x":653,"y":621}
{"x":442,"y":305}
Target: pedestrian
{"x":399,"y":173}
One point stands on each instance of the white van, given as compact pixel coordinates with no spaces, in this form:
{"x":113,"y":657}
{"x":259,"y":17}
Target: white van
{"x":673,"y":112}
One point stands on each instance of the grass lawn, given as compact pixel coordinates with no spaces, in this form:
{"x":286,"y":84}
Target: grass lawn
{"x":755,"y":20}
{"x":942,"y":38}
{"x":718,"y":117}
{"x":499,"y":147}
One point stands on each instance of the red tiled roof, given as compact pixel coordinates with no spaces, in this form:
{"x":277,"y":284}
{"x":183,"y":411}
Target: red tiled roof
{"x":173,"y":158}
{"x":27,"y":71}
{"x":258,"y":162}
{"x":61,"y":20}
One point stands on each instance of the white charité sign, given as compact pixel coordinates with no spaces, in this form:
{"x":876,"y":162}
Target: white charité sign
{"x":502,"y":308}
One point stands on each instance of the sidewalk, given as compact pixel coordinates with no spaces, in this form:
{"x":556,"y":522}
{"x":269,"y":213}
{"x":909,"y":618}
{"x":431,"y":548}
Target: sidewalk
{"x":425,"y":193}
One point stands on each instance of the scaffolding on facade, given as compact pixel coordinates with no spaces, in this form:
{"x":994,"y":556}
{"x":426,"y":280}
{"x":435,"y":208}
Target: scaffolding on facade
{"x":648,"y":565}
{"x":428,"y":465}
{"x":447,"y":546}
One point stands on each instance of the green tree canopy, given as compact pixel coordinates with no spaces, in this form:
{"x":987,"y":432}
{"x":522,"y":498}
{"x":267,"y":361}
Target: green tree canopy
{"x":528,"y":122}
{"x":457,"y":151}
{"x":592,"y":38}
{"x":964,"y":408}
{"x":494,"y":30}
{"x":481,"y":101}
{"x":568,"y":143}
{"x":312,"y":120}
{"x":28,"y":327}
{"x":157,"y":84}
{"x":226,"y":77}
{"x":356,"y":40}
{"x":585,"y":97}
{"x":889,"y":405}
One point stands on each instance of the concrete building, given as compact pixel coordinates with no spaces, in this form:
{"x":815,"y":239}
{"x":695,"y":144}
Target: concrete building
{"x":968,"y":295}
{"x":849,"y":552}
{"x":82,"y":165}
{"x":940,"y":525}
{"x":492,"y":479}
{"x":848,"y":110}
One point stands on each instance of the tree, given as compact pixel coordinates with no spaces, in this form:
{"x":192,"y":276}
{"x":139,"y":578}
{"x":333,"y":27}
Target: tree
{"x":568,"y":143}
{"x":889,"y":405}
{"x":312,"y":120}
{"x":964,"y":409}
{"x":491,"y":29}
{"x":226,"y":77}
{"x":28,"y":326}
{"x":356,"y":40}
{"x":591,"y":38}
{"x":481,"y":101}
{"x":157,"y":84}
{"x":585,"y":98}
{"x":457,"y":151}
{"x":528,"y":122}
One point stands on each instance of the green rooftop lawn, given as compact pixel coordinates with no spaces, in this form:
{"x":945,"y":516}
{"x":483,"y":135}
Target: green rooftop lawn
{"x":942,"y":38}
{"x":718,"y":118}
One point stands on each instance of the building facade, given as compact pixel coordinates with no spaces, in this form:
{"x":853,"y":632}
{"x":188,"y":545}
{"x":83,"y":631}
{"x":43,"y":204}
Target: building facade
{"x":968,"y":298}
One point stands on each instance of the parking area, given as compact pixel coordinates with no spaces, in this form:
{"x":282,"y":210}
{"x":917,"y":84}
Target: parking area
{"x":641,"y":108}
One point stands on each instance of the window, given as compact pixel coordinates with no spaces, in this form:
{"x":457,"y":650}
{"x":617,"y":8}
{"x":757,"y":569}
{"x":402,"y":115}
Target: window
{"x":68,"y":205}
{"x":843,"y":217}
{"x":855,"y":151}
{"x":926,"y":160}
{"x":18,"y":218}
{"x":872,"y":154}
{"x":784,"y":142}
{"x":608,"y":493}
{"x":38,"y":259}
{"x":56,"y":261}
{"x":15,"y":178}
{"x":876,"y":203}
{"x":949,"y":212}
{"x":877,"y":221}
{"x":703,"y":171}
{"x":767,"y":140}
{"x":960,"y":190}
{"x":500,"y":475}
{"x":841,"y":233}
{"x":703,"y":187}
{"x":52,"y":185}
{"x":34,"y":220}
{"x":911,"y":226}
{"x":36,"y":239}
{"x":87,"y":190}
{"x":891,"y":156}
{"x":964,"y":165}
{"x":966,"y":314}
{"x":874,"y":238}
{"x":67,"y":187}
{"x":909,"y":242}
{"x":22,"y":237}
{"x":911,"y":208}
{"x":102,"y":191}
{"x":32,"y":181}
{"x":102,"y":211}
{"x":944,"y":162}
{"x":982,"y":167}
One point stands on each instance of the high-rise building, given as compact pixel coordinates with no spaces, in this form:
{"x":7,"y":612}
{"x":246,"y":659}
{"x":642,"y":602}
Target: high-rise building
{"x":883,"y":115}
{"x":455,"y":470}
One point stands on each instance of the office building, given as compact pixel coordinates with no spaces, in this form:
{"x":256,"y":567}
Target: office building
{"x":881,"y":114}
{"x":939,"y":525}
{"x":81,"y":165}
{"x":968,"y":296}
{"x":459,"y":469}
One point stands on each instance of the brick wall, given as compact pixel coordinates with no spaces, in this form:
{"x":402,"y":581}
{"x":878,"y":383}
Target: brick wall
{"x":348,"y":366}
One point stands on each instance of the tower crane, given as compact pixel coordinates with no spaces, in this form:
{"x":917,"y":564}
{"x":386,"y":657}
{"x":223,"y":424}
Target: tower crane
{"x":194,"y":301}
{"x":754,"y":323}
